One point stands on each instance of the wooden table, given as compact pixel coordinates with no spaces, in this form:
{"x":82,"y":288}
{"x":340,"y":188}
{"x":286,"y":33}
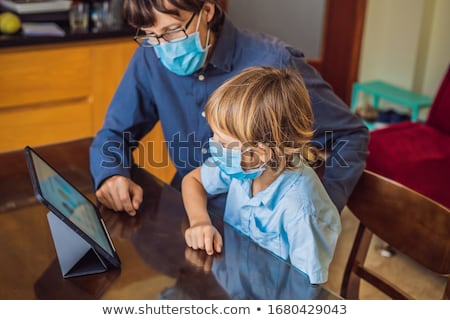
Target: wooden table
{"x":155,"y":260}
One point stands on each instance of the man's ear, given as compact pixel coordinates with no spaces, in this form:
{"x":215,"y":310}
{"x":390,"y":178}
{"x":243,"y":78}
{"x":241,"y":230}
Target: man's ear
{"x":209,"y":8}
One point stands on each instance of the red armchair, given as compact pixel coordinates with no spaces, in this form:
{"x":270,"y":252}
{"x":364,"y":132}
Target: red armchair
{"x":416,"y":154}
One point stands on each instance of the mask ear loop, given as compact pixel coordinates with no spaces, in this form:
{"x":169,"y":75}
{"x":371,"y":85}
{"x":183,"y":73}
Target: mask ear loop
{"x":198,"y":21}
{"x":260,"y":164}
{"x":208,"y":45}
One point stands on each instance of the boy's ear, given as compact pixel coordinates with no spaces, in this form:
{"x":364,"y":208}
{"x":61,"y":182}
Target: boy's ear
{"x":264,"y":151}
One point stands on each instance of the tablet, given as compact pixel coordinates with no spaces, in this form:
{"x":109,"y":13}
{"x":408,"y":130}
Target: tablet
{"x":70,"y":206}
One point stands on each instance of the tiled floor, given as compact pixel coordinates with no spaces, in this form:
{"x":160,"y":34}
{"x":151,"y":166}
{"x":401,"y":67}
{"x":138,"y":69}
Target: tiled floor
{"x":400,"y":270}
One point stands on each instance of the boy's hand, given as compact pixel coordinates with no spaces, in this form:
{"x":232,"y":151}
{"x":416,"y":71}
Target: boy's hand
{"x":204,"y":236}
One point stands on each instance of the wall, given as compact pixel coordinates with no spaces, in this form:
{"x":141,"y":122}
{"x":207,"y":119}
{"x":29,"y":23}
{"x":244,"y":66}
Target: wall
{"x":298,"y":22}
{"x":438,"y":57}
{"x":407,"y":43}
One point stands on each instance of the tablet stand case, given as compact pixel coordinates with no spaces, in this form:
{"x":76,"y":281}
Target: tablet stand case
{"x":75,"y":255}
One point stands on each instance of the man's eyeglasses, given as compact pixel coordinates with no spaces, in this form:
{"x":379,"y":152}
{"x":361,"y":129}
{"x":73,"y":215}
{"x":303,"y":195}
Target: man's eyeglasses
{"x":169,"y":36}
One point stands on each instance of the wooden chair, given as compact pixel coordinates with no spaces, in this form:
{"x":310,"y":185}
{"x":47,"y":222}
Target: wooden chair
{"x":412,"y":223}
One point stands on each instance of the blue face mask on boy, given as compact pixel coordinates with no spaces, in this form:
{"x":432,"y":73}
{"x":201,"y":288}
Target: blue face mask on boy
{"x":186,"y":56}
{"x":229,"y":162}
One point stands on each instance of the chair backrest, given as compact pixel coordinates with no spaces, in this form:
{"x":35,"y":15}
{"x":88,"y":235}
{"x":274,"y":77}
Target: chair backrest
{"x":410,"y":222}
{"x":439,"y":116}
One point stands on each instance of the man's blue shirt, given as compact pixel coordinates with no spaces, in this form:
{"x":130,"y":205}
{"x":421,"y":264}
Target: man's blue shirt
{"x":149,"y":93}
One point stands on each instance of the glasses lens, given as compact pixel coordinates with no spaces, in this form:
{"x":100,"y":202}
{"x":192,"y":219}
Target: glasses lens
{"x":146,"y":41}
{"x":150,"y":41}
{"x":175,"y":35}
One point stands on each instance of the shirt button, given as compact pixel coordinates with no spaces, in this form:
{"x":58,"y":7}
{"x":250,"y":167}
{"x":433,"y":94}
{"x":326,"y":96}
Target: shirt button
{"x":201,"y":77}
{"x":204,"y":150}
{"x":203,"y":114}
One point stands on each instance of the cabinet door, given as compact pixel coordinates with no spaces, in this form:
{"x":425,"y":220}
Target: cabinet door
{"x":45,"y":95}
{"x":42,"y":124}
{"x":109,"y":61}
{"x":42,"y":76}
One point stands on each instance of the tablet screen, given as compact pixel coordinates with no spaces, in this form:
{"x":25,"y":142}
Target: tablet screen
{"x":70,"y":202}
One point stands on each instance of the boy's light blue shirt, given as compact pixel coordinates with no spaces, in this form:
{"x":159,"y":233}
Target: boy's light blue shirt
{"x":294,"y":217}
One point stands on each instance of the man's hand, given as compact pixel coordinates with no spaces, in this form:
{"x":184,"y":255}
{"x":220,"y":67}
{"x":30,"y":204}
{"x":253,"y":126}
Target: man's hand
{"x":120,"y":194}
{"x":205,"y":237}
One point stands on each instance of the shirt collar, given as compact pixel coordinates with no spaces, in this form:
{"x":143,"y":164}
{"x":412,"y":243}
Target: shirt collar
{"x":221,"y":57}
{"x":273,"y":194}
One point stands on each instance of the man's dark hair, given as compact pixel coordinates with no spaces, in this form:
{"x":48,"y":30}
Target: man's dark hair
{"x":139,"y":13}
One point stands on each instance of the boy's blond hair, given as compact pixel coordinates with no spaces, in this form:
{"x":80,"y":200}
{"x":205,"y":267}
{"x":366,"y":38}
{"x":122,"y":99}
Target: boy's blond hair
{"x":266,"y":105}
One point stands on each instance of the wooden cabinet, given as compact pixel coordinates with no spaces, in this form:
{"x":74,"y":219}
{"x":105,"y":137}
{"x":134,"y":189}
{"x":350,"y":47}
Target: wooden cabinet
{"x":55,"y":93}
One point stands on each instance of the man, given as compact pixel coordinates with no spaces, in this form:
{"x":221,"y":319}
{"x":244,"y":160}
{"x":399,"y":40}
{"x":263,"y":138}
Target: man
{"x":187,"y":49}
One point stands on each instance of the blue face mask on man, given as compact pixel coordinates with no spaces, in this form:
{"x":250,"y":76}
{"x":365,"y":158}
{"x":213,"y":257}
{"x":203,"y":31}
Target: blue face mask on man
{"x":229,"y":162}
{"x":186,"y":56}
